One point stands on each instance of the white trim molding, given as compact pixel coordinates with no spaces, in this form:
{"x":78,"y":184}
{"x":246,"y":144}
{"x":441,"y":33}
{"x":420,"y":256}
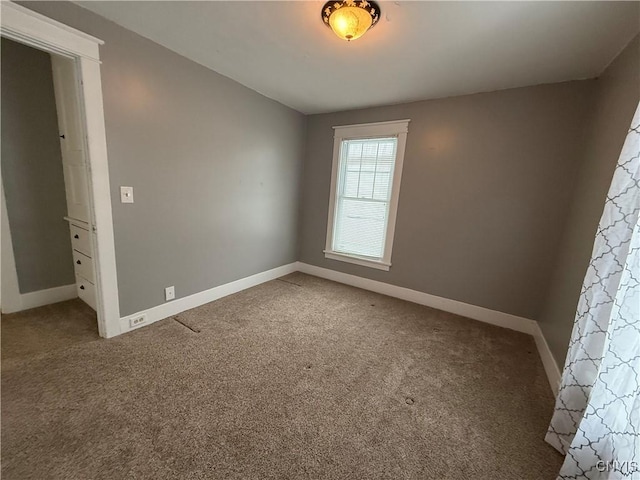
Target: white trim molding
{"x":474,"y":312}
{"x":395,"y":128}
{"x":180,"y":305}
{"x":548,"y":360}
{"x":375,"y":129}
{"x":493,"y":317}
{"x":30,"y":28}
{"x":357,"y":260}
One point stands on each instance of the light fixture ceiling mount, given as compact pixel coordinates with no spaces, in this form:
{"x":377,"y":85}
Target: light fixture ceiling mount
{"x":350,"y":19}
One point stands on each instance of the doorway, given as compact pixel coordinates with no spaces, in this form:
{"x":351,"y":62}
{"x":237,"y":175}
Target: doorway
{"x":75,"y":58}
{"x":46,"y":202}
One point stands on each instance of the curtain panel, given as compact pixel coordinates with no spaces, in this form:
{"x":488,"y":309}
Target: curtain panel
{"x":596,"y":421}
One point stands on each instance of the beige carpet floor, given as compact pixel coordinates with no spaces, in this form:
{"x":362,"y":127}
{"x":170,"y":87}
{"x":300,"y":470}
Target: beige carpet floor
{"x":48,"y":328}
{"x":298,"y":378}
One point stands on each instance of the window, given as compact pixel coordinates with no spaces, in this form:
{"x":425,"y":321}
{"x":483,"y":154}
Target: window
{"x":365,"y":183}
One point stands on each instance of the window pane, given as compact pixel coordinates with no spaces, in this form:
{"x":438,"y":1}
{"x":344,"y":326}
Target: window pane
{"x":367,"y":177}
{"x":382,"y":188}
{"x":360,"y":227}
{"x":351,"y":179}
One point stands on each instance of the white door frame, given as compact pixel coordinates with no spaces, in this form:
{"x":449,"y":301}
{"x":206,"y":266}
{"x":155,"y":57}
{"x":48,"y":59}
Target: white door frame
{"x":30,"y":28}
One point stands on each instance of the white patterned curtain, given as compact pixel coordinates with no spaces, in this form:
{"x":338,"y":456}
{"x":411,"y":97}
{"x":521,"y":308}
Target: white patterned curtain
{"x":596,"y":422}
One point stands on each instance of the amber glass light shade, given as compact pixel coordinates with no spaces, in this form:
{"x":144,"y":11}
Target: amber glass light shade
{"x":350,"y":23}
{"x":350,"y":19}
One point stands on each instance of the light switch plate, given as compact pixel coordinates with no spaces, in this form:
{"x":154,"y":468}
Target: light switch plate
{"x":126,"y":194}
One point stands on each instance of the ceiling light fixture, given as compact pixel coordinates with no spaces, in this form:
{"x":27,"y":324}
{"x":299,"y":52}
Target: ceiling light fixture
{"x":350,"y":19}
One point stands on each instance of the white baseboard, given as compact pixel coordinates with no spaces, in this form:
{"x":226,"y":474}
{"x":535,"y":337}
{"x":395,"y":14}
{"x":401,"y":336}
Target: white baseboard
{"x":474,"y":312}
{"x":42,"y":297}
{"x":179,"y":305}
{"x":548,"y":360}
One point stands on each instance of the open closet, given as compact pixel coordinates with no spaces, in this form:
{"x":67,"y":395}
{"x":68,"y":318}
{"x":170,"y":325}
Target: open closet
{"x":47,"y":253}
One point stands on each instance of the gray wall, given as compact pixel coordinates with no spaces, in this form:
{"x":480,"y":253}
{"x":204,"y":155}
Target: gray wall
{"x":617,"y":96}
{"x":483,"y":198}
{"x":215,"y":168}
{"x":32,"y":170}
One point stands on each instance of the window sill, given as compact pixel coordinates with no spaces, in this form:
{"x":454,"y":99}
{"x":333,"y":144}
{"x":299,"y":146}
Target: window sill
{"x":362,"y":261}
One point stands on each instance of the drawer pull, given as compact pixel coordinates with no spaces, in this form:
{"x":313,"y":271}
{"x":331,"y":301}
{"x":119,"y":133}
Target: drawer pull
{"x":78,"y":262}
{"x":76,"y":236}
{"x":81,"y":287}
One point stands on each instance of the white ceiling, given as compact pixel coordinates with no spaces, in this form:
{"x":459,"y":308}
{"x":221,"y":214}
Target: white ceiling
{"x":419,"y":50}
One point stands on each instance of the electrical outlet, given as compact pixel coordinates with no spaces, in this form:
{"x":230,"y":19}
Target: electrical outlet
{"x":169,"y":293}
{"x":137,"y":321}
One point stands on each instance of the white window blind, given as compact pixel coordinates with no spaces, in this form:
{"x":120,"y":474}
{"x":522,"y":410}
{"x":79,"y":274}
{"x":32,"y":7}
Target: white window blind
{"x":363,"y":196}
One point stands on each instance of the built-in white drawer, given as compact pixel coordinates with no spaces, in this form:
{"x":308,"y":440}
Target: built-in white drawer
{"x":86,"y":291}
{"x":80,"y":240}
{"x":84,"y":266}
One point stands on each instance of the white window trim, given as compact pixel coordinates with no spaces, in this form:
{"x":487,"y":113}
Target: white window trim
{"x":396,"y":128}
